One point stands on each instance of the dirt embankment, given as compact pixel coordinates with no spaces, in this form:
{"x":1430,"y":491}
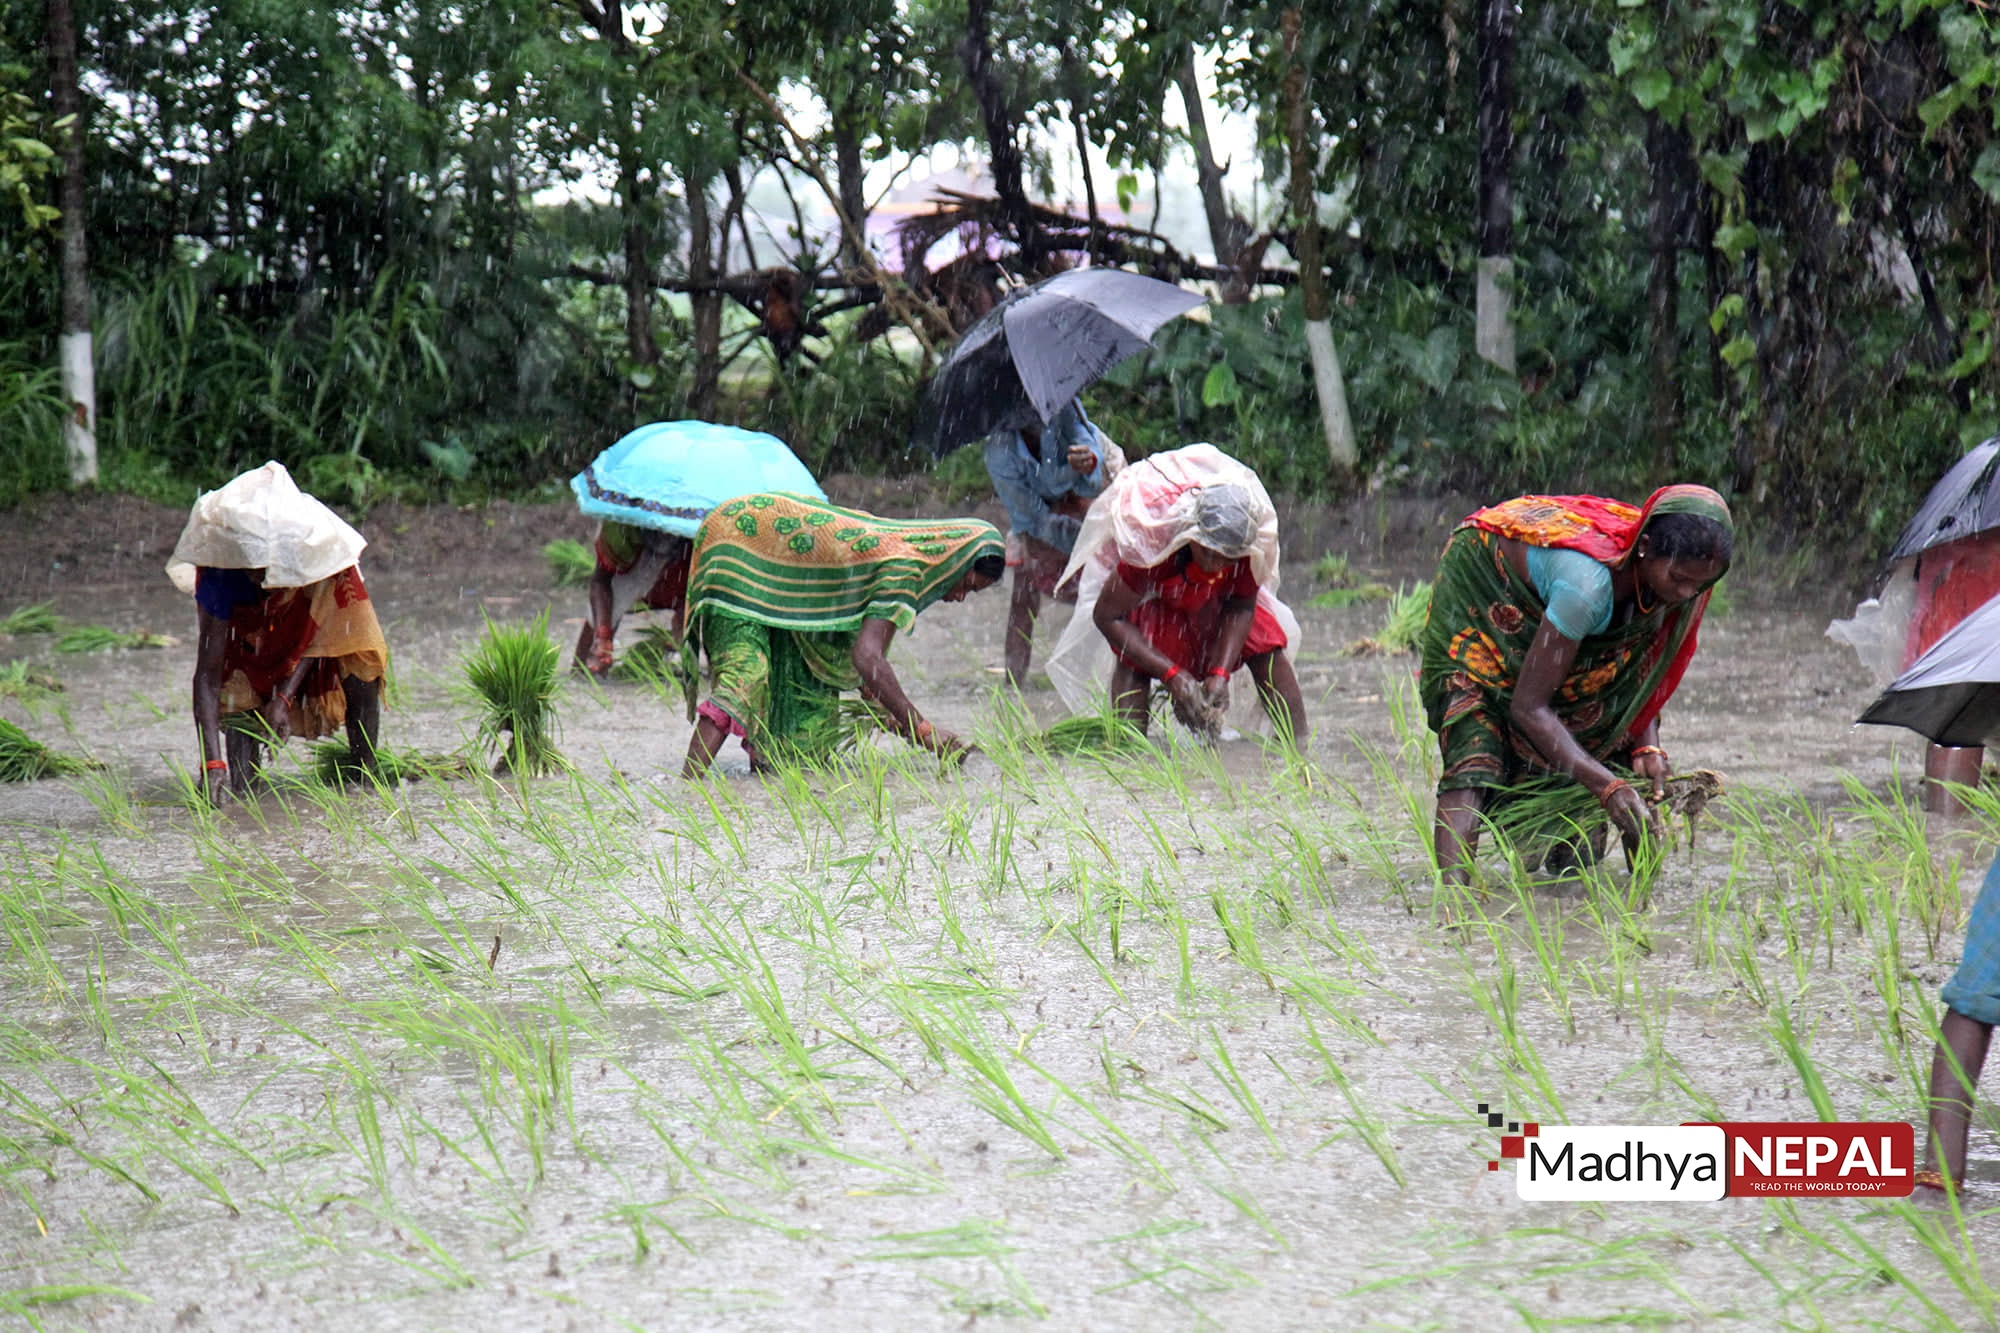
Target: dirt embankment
{"x":55,"y":542}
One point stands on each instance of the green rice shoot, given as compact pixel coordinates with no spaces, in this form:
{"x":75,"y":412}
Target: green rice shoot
{"x":571,"y":563}
{"x":655,"y":658}
{"x":1092,"y":733}
{"x":512,"y":671}
{"x":1405,"y":626}
{"x":38,"y":618}
{"x":24,"y":759}
{"x":19,"y":681}
{"x":331,"y":763}
{"x":103,"y":639}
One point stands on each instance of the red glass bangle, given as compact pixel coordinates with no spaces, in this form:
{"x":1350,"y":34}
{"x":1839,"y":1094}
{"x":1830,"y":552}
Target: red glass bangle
{"x":1173,"y":669}
{"x":214,"y":765}
{"x":1223,"y":672}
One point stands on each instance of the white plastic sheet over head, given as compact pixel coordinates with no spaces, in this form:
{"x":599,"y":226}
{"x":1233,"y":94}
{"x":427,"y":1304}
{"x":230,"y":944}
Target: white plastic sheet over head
{"x":262,"y":520}
{"x":1152,"y":509}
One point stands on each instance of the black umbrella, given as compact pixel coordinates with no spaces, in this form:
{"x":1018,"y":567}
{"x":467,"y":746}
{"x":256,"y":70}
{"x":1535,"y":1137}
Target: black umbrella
{"x":1031,"y":354}
{"x":1951,"y":694}
{"x":1964,"y":501}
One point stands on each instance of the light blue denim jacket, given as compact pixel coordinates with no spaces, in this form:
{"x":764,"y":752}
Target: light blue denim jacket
{"x":1028,"y":485}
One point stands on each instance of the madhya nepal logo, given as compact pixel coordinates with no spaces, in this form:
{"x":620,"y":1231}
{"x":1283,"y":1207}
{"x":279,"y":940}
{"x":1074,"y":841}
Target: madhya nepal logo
{"x":1701,"y":1162}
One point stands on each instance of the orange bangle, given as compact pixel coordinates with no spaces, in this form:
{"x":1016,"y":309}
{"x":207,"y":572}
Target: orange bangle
{"x":1649,"y":749}
{"x":1611,"y":789}
{"x":215,"y":765}
{"x":923,"y":731}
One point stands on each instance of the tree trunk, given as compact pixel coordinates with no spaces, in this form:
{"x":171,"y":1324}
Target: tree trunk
{"x":852,"y":173}
{"x":79,"y":380}
{"x":1327,"y":378}
{"x":1226,"y":231}
{"x":1493,"y":335}
{"x":1663,"y":151}
{"x":975,"y":52}
{"x":706,"y":303}
{"x":639,"y":342}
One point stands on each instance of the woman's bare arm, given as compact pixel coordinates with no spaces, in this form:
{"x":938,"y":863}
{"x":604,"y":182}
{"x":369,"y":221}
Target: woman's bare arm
{"x":879,"y":683}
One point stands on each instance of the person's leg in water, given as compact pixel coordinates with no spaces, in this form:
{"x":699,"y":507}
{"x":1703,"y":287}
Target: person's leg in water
{"x":1131,"y":695}
{"x":1455,"y":835}
{"x":244,"y":749}
{"x":1278,"y":689}
{"x":1961,"y":1054}
{"x":1021,"y":613}
{"x":364,"y":719}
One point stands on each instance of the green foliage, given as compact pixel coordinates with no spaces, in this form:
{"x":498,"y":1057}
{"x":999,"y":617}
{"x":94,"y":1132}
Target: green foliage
{"x":571,"y":563}
{"x":24,"y":759}
{"x":512,"y":673}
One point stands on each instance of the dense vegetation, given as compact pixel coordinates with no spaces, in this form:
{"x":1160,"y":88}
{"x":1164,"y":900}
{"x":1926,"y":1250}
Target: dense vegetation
{"x":1752,"y":243}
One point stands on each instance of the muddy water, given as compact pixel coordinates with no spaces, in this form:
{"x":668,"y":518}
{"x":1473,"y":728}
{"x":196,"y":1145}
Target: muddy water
{"x":1113,"y":1043}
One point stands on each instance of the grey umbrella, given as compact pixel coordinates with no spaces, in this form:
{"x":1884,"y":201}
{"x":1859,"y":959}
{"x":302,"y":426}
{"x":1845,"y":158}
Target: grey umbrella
{"x":1951,"y":694}
{"x":1031,"y":354}
{"x":1964,"y":501}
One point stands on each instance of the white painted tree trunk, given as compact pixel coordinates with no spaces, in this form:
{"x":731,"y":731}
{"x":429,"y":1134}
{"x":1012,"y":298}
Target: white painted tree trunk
{"x":79,"y":384}
{"x":1493,"y":317}
{"x":1332,"y":387}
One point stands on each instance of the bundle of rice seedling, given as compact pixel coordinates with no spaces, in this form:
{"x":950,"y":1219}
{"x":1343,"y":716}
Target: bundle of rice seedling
{"x":512,"y":670}
{"x":654,"y":658}
{"x":100,"y":638}
{"x":1407,"y":613}
{"x":1092,"y":733}
{"x":23,"y":758}
{"x":570,"y":562}
{"x":37,"y":619}
{"x":17,"y":681}
{"x":331,"y":763}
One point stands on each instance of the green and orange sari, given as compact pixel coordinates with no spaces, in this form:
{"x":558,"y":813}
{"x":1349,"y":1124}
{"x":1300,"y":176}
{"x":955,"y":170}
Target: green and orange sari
{"x":1484,"y":616}
{"x":780,"y":586}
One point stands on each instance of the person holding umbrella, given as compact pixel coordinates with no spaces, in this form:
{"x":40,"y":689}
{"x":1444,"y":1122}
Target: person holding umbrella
{"x":288,"y":640}
{"x":795,"y":600}
{"x":1046,"y":477}
{"x":1014,"y":377}
{"x":651,"y":490}
{"x":1559,"y":627}
{"x":1178,"y":565}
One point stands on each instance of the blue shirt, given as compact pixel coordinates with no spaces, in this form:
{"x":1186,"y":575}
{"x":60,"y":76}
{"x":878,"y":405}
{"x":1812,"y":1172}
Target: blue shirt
{"x":1575,"y":589}
{"x":1028,"y":483}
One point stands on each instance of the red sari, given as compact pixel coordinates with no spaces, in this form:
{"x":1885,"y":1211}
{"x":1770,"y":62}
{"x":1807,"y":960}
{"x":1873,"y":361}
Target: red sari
{"x":1181,"y":614}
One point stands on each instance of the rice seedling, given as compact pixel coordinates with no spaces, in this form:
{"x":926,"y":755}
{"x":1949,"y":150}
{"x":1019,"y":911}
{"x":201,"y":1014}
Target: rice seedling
{"x":25,"y":759}
{"x":655,"y":659}
{"x":571,"y":563}
{"x":1086,"y":733}
{"x":1408,"y":610}
{"x":331,"y":764}
{"x":37,"y":618}
{"x":512,"y":672}
{"x":102,"y":639}
{"x":1343,"y":586}
{"x":20,"y":681}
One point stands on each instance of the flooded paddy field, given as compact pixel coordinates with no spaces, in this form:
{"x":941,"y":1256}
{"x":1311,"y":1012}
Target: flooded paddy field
{"x":1177,"y":1040}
